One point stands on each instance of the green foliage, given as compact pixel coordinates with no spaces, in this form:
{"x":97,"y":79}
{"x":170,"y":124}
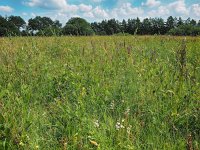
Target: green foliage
{"x":2,"y":26}
{"x":8,"y":28}
{"x":40,"y":23}
{"x":49,"y":31}
{"x":45,"y":26}
{"x":77,"y":26}
{"x":185,"y":30}
{"x":17,"y":21}
{"x":114,"y":92}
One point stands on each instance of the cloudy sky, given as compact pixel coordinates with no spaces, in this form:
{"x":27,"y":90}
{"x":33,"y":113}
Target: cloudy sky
{"x":96,"y":10}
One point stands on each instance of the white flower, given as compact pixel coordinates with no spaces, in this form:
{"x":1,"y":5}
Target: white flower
{"x":96,"y":123}
{"x":112,"y":105}
{"x":119,"y":126}
{"x":129,"y":129}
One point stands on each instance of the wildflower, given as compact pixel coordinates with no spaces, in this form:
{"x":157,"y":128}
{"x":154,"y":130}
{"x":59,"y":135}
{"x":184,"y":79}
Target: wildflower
{"x":37,"y":147}
{"x":119,"y":126}
{"x":94,"y":143}
{"x":21,"y":143}
{"x":96,"y":123}
{"x":112,"y":105}
{"x":65,"y":144}
{"x":28,"y":138}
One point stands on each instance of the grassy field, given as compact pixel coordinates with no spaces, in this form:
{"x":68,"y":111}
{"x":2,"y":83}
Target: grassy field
{"x":108,"y":93}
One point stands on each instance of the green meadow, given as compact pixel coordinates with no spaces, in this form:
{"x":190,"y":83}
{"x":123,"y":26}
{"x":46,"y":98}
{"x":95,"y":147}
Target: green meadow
{"x":100,"y":92}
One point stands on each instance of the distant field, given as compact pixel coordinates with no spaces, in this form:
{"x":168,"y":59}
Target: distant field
{"x":108,"y":93}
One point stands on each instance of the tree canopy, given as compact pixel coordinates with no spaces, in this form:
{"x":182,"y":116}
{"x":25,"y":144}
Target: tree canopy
{"x":45,"y":26}
{"x":77,"y":26}
{"x":10,"y":25}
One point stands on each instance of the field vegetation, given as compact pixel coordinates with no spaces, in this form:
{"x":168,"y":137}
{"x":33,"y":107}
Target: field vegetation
{"x":108,"y":93}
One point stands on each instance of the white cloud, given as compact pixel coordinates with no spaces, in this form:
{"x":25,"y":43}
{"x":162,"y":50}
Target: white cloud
{"x":85,"y":8}
{"x":179,"y":7}
{"x":88,"y":15}
{"x":33,"y":14}
{"x":100,"y":13}
{"x":196,"y":9}
{"x":97,"y":1}
{"x":50,"y":4}
{"x":70,"y":8}
{"x":24,"y":14}
{"x":6,"y":9}
{"x":127,"y":11}
{"x":162,"y":11}
{"x":123,"y":9}
{"x":151,"y":3}
{"x":60,"y":5}
{"x":96,"y":13}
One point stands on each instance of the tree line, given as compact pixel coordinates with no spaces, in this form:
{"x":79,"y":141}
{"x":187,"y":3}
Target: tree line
{"x":45,"y":26}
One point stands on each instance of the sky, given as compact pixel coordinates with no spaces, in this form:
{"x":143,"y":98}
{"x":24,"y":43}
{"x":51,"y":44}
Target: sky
{"x":97,"y":10}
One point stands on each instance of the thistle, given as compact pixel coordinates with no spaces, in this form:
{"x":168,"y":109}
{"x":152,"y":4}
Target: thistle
{"x":182,"y":58}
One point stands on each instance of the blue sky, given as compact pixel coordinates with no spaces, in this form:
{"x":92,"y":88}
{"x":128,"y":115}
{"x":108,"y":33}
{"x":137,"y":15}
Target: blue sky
{"x":96,"y":10}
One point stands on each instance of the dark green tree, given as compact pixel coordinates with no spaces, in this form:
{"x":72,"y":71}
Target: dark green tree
{"x":57,"y":24}
{"x":98,"y":28}
{"x":40,"y":23}
{"x":193,"y":22}
{"x":113,"y":27}
{"x":187,"y":21}
{"x":17,"y":21}
{"x":77,"y":26}
{"x":124,"y":26}
{"x":185,"y":30}
{"x":158,"y":26}
{"x":44,"y":26}
{"x":198,"y":23}
{"x":146,"y":27}
{"x":138,"y":25}
{"x":104,"y":27}
{"x":3,"y":24}
{"x":180,"y":22}
{"x":8,"y":28}
{"x":170,"y":24}
{"x":131,"y":26}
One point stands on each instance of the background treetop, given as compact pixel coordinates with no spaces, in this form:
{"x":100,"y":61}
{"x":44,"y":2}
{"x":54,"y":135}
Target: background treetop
{"x":45,"y":26}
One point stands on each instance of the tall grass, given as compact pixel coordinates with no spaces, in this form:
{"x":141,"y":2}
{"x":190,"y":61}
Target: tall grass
{"x":123,"y":92}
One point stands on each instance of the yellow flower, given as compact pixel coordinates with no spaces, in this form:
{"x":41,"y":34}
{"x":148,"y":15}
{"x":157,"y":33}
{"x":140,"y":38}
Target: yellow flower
{"x":37,"y":147}
{"x":94,"y":143}
{"x":21,"y":143}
